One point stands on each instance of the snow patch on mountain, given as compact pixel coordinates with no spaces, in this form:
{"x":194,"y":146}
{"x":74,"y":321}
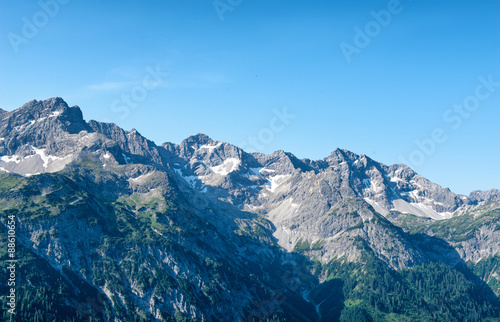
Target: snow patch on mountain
{"x":229,"y":165}
{"x":276,"y":181}
{"x":47,"y":158}
{"x":192,"y":181}
{"x":34,"y":163}
{"x":394,"y":179}
{"x":209,"y":147}
{"x":12,"y":158}
{"x":55,"y":114}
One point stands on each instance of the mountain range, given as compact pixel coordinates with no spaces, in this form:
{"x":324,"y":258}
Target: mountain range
{"x":112,"y":227}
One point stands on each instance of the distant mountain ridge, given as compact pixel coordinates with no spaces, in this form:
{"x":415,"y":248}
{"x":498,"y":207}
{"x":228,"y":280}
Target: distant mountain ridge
{"x":45,"y":136}
{"x":208,"y":200}
{"x":480,"y":196}
{"x":42,"y":122}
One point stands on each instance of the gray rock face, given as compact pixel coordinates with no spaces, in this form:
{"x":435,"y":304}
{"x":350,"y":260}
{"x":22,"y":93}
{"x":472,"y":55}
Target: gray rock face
{"x":128,"y":147}
{"x":318,"y":204}
{"x":480,"y":196}
{"x":303,"y":198}
{"x":42,"y":136}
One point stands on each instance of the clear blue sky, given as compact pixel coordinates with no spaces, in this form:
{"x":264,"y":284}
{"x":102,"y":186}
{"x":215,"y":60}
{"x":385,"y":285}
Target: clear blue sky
{"x":225,"y":77}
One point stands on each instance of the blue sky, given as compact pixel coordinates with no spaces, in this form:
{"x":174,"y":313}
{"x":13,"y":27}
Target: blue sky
{"x":171,"y":69}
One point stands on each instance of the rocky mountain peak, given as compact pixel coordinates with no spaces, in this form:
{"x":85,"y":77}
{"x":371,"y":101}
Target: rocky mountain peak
{"x":480,"y":196}
{"x":36,"y":113}
{"x":189,"y":146}
{"x":197,"y":140}
{"x":134,"y":135}
{"x":340,"y":155}
{"x":402,"y":171}
{"x":280,"y":161}
{"x":38,"y":108}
